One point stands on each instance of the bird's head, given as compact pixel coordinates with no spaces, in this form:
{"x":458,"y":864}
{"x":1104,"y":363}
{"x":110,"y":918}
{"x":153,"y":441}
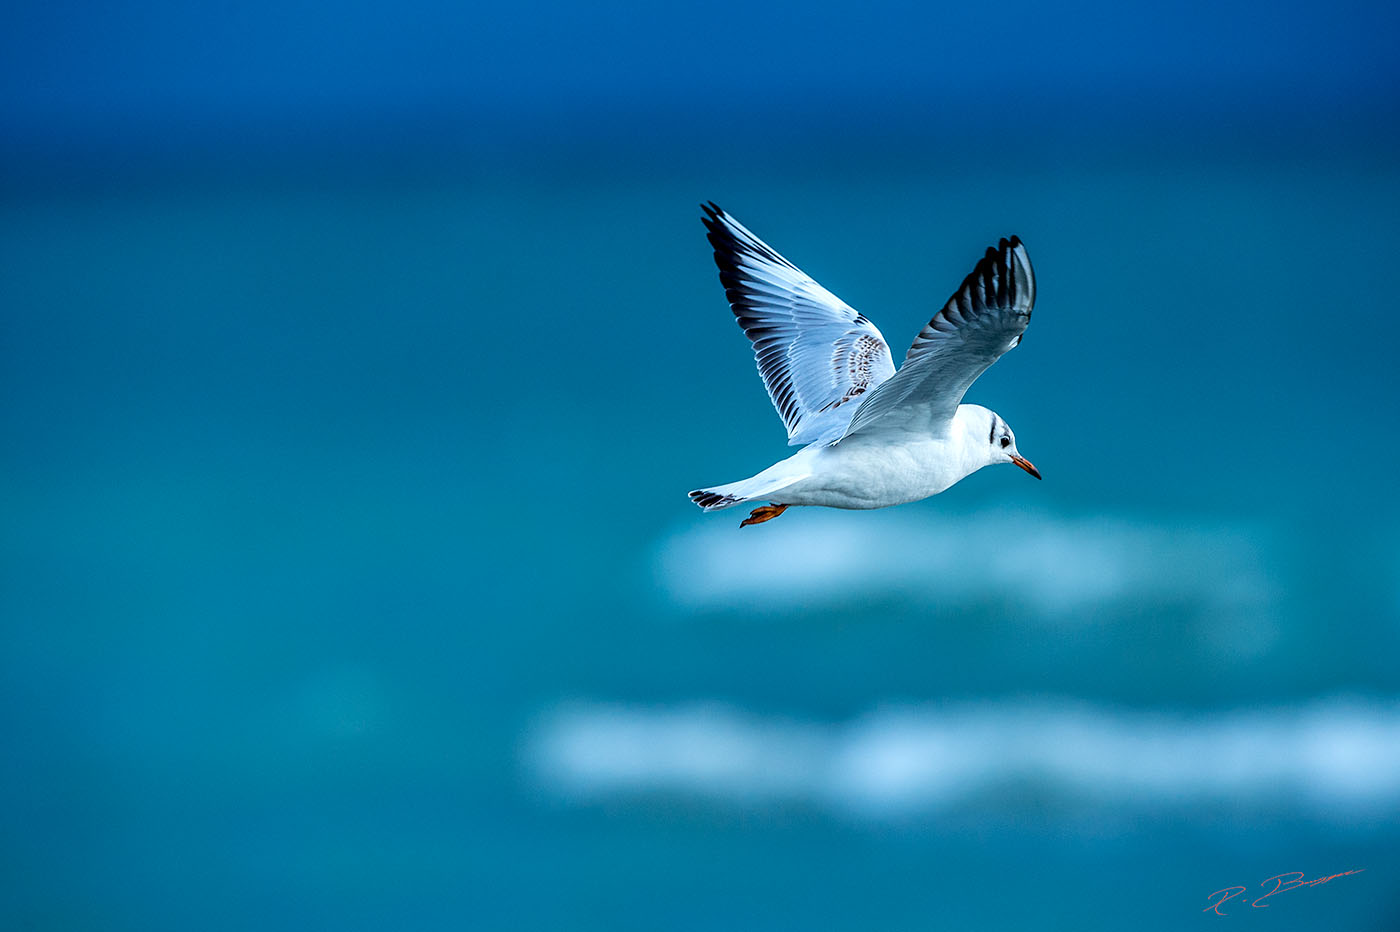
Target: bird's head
{"x":1003,"y":445}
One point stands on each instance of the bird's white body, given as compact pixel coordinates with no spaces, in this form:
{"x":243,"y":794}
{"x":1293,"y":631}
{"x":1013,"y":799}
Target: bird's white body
{"x":875,"y":471}
{"x":871,"y":436}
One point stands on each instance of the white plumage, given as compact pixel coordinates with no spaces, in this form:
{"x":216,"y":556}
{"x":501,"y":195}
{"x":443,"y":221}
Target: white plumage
{"x":873,"y":436}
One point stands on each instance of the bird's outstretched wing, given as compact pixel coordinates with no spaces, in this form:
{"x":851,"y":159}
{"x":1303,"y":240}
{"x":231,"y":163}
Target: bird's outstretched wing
{"x":816,"y":354}
{"x":984,"y":319}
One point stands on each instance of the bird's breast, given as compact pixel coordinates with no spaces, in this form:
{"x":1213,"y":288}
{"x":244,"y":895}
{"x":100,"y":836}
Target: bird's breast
{"x":874,"y":475}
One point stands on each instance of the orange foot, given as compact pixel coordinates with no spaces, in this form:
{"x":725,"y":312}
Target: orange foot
{"x":760,"y":515}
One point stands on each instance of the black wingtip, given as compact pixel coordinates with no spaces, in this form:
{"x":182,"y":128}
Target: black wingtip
{"x":720,"y":234}
{"x":1001,"y":278}
{"x":1001,"y":254}
{"x":713,"y":217}
{"x":1018,"y":274}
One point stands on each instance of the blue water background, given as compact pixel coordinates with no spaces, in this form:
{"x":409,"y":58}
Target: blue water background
{"x":352,"y":388}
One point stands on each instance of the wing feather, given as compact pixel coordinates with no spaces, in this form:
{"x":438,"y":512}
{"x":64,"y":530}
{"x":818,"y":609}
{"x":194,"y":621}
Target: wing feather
{"x":982,"y":320}
{"x":814,"y":352}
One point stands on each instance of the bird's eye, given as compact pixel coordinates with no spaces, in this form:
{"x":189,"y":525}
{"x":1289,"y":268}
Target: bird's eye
{"x":1005,"y":442}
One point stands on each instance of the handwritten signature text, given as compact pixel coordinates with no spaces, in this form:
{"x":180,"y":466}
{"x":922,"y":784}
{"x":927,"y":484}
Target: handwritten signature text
{"x":1282,"y":882}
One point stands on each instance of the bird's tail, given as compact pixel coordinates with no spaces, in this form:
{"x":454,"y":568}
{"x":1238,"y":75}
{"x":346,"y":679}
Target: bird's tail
{"x":762,"y":486}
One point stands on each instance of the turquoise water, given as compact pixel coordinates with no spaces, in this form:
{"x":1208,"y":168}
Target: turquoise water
{"x":350,"y":580}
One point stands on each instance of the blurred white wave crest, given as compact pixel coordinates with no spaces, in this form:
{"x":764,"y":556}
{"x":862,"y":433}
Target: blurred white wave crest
{"x":1328,"y":756}
{"x":1033,"y":561}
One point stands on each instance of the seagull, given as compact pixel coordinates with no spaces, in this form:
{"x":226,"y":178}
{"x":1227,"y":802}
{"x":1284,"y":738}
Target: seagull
{"x":871,"y":437}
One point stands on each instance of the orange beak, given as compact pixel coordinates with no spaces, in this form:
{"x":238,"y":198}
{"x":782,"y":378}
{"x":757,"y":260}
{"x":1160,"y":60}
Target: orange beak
{"x":1026,"y":464}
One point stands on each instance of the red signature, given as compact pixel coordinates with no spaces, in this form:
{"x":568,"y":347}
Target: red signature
{"x":1281,"y":883}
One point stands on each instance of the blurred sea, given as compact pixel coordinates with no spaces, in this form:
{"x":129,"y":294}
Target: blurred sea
{"x":350,"y":581}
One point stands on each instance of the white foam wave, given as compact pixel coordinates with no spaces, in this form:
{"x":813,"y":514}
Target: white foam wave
{"x":1331,"y":755}
{"x":1046,"y":564}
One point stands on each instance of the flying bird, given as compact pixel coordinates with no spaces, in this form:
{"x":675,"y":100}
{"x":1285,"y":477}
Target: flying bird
{"x":870,"y":436}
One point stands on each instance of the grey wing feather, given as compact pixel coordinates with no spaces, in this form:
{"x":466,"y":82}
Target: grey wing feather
{"x":982,"y":320}
{"x":816,"y":354}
